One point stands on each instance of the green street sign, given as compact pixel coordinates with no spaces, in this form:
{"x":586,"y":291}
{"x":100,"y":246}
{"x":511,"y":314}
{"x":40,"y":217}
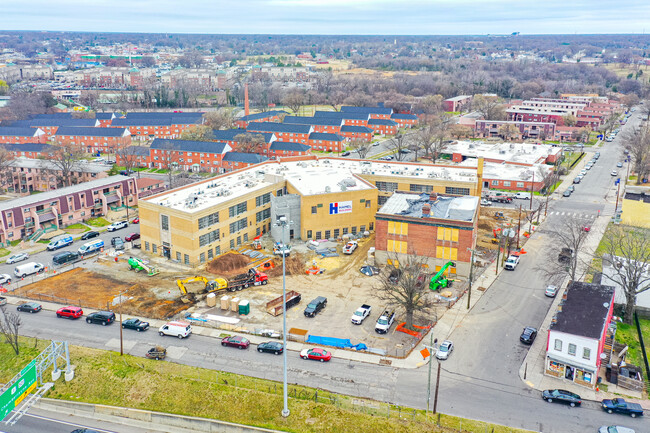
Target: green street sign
{"x":24,"y":384}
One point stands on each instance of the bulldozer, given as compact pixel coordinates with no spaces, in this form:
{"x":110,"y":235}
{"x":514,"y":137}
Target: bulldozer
{"x":210,"y":286}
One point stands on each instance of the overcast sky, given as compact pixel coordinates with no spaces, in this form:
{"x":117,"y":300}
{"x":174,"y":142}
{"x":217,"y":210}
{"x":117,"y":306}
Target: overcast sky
{"x":381,"y":17}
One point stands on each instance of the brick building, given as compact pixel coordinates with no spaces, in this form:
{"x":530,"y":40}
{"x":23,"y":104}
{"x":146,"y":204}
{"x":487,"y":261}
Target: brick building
{"x":404,"y":120}
{"x":285,"y":148}
{"x":348,"y":118}
{"x":25,"y":176}
{"x":137,"y":156}
{"x":356,"y":132}
{"x":188,"y":155}
{"x":330,"y":125}
{"x":51,"y":124}
{"x":62,"y":207}
{"x":283,"y":131}
{"x":238,"y":160}
{"x":21,"y":134}
{"x":93,"y":140}
{"x":146,"y":126}
{"x":534,"y":130}
{"x":149,"y":186}
{"x":267,"y":116}
{"x":457,"y":103}
{"x":436,"y":227}
{"x":374,"y":112}
{"x":326,"y":142}
{"x":383,"y":126}
{"x":30,"y":150}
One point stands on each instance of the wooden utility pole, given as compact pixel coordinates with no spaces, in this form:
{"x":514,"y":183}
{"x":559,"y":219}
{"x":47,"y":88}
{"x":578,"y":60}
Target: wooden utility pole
{"x":435,"y":398}
{"x":519,"y":223}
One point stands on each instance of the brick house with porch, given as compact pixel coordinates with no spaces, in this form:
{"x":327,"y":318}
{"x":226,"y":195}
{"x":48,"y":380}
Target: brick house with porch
{"x":93,"y":140}
{"x":188,"y":155}
{"x":21,"y":134}
{"x":62,"y":207}
{"x":326,"y":142}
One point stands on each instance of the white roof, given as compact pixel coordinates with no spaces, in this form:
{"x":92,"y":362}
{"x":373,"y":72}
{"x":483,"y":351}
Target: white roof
{"x":309,"y":177}
{"x":513,"y":172}
{"x":526,"y":153}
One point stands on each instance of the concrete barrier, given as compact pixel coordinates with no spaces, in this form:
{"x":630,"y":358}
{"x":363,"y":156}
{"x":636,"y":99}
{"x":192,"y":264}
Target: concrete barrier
{"x":136,"y":417}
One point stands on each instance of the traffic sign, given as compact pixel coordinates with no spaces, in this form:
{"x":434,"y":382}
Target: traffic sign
{"x":23,"y":384}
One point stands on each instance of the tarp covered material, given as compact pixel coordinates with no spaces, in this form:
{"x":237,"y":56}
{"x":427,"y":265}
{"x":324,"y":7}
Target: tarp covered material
{"x":335,"y":342}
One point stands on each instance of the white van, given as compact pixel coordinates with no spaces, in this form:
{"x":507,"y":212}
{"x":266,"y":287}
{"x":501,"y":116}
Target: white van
{"x":91,"y":247}
{"x":30,"y":268}
{"x":176,"y":329}
{"x":59,"y":242}
{"x":524,"y":195}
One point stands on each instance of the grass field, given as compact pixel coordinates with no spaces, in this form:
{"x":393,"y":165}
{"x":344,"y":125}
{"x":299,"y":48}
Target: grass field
{"x":77,"y":227}
{"x":626,"y":334}
{"x":97,"y":222}
{"x":103,"y":377}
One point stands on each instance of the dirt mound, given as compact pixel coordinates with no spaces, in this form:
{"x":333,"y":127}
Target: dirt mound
{"x":227,"y":263}
{"x":295,"y":265}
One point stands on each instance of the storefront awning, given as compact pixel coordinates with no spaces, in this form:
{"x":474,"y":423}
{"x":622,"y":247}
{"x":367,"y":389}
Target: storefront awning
{"x":588,"y":369}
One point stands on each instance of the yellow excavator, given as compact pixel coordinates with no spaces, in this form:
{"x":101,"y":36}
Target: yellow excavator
{"x":209,"y":286}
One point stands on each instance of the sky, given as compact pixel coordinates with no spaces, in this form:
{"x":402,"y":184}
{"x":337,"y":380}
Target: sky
{"x":348,"y":17}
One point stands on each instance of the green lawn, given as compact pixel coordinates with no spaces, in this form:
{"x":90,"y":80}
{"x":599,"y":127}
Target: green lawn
{"x":97,"y":222}
{"x":626,"y":334}
{"x":104,"y":377}
{"x":78,"y":227}
{"x":4,"y":252}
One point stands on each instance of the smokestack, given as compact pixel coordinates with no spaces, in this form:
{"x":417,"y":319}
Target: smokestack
{"x":246,"y":109}
{"x":433,"y":197}
{"x":426,"y":210}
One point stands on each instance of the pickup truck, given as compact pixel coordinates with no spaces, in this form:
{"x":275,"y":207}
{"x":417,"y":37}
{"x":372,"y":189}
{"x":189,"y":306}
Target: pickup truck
{"x":619,"y":405}
{"x":350,"y":247}
{"x":512,"y":263}
{"x":360,"y":315}
{"x":565,"y":256}
{"x":384,"y":322}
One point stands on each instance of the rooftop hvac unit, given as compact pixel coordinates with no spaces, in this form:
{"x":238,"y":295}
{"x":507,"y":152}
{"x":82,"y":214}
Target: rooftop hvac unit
{"x":348,"y":181}
{"x":328,"y":188}
{"x":502,"y":152}
{"x":343,"y":188}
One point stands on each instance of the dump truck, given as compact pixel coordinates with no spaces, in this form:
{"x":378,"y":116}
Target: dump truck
{"x":274,"y":307}
{"x":239,"y":282}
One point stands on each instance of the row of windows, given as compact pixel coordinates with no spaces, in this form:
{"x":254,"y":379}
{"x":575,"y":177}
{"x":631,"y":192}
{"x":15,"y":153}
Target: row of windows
{"x":387,"y":186}
{"x":572,"y":349}
{"x":507,"y":183}
{"x":237,"y":209}
{"x":209,"y":238}
{"x":262,"y":215}
{"x":421,"y":188}
{"x":329,"y":234}
{"x":208,"y":220}
{"x":238,"y":225}
{"x":456,"y":191}
{"x":447,"y":253}
{"x":263,"y":199}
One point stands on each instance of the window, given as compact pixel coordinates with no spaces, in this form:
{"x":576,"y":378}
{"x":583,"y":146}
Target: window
{"x":572,"y":349}
{"x":238,"y":225}
{"x":237,"y":209}
{"x":208,"y":220}
{"x":187,"y":259}
{"x":586,"y":353}
{"x":397,"y":228}
{"x":202,"y":258}
{"x":209,"y":238}
{"x":387,"y":186}
{"x":381,"y":200}
{"x":146,"y":246}
{"x":245,"y":237}
{"x":178,"y":256}
{"x":308,"y":234}
{"x":327,"y":234}
{"x":520,"y":184}
{"x":345,"y":230}
{"x":164,"y":222}
{"x":217,"y":250}
{"x":263,"y":199}
{"x":421,"y":188}
{"x":362,"y":229}
{"x":371,"y":226}
{"x":462,"y":191}
{"x":447,"y":253}
{"x":354,"y":230}
{"x":232,"y":244}
{"x":318,"y":235}
{"x":396,"y":246}
{"x":278,"y":193}
{"x":262,"y":215}
{"x":558,"y":345}
{"x":314,"y":209}
{"x":336,"y":233}
{"x":494,"y":183}
{"x":154,"y":248}
{"x":368,"y":203}
{"x":446,"y":234}
{"x":83,"y":214}
{"x":506,"y":183}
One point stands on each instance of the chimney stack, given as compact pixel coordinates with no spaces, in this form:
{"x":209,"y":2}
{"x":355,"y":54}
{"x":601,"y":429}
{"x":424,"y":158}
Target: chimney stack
{"x":246,"y":108}
{"x":433,"y":197}
{"x":426,"y":210}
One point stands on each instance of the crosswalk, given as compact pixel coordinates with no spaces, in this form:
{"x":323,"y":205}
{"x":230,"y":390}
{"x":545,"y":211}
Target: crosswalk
{"x":575,"y":214}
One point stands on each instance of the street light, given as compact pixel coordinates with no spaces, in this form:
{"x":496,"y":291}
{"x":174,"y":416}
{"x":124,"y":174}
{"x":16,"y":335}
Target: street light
{"x":282,"y":222}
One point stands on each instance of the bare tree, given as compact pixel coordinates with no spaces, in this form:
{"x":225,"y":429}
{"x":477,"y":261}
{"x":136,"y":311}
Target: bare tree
{"x":63,"y":163}
{"x":489,"y":106}
{"x":638,"y":145}
{"x":458,"y":131}
{"x":198,"y":133}
{"x":220,"y":119}
{"x":508,"y":131}
{"x":569,"y":238}
{"x":425,"y":137}
{"x":406,"y":287}
{"x":626,"y":252}
{"x":569,"y":120}
{"x":6,"y":166}
{"x":441,"y":125}
{"x":361,"y":146}
{"x":127,"y":157}
{"x":169,"y":160}
{"x":250,"y":143}
{"x":398,"y":144}
{"x":9,"y":326}
{"x":294,"y":100}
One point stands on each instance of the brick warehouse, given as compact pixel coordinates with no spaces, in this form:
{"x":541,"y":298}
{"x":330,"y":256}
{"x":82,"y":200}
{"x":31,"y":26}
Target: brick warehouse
{"x":440,"y":228}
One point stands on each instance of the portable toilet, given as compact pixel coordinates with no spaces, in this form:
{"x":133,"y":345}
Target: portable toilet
{"x":234,"y":304}
{"x":211,"y":299}
{"x":225,"y":302}
{"x":244,"y":307}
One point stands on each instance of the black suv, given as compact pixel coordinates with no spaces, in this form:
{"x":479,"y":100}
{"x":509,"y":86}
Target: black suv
{"x":103,"y":317}
{"x":315,"y":306}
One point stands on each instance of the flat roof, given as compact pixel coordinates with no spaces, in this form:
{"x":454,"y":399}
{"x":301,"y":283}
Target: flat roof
{"x":309,"y":176}
{"x":506,"y":171}
{"x":454,"y":208}
{"x":526,"y":153}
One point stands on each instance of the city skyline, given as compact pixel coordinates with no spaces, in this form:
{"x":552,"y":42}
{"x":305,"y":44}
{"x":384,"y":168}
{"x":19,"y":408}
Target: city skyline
{"x":332,"y":17}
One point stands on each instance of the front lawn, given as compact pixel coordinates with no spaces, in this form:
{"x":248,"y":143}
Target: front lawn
{"x":4,"y":252}
{"x":626,"y":334}
{"x":98,"y":222}
{"x":78,"y":228}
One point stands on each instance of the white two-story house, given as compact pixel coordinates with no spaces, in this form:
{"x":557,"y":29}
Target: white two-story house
{"x":577,"y":333}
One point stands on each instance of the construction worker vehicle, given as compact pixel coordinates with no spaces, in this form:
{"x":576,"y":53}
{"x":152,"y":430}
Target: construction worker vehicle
{"x":139,"y":265}
{"x":239,"y":282}
{"x":440,"y":280}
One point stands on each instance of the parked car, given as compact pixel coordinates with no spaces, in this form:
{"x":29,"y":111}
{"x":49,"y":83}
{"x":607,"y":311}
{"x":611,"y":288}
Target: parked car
{"x":394,"y":276}
{"x":102,"y":317}
{"x":511,"y":263}
{"x":315,"y":306}
{"x":619,"y":405}
{"x":89,"y":235}
{"x":551,"y":291}
{"x":30,"y":268}
{"x":132,"y":237}
{"x":136,"y":324}
{"x":528,"y":335}
{"x":135,"y":221}
{"x":561,"y":396}
{"x":270,"y":347}
{"x":485,"y":202}
{"x":614,"y":429}
{"x":236,"y":341}
{"x":619,"y":165}
{"x":17,"y":258}
{"x":566,"y":193}
{"x":117,"y":226}
{"x":369,"y":270}
{"x":571,"y":188}
{"x":445,"y":349}
{"x":5,"y":279}
{"x":614,"y":173}
{"x":346,"y":153}
{"x":316,"y":354}
{"x":29,"y":307}
{"x":70,"y":312}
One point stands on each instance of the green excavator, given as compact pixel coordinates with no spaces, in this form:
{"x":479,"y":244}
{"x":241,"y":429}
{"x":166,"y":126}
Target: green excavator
{"x":440,"y":281}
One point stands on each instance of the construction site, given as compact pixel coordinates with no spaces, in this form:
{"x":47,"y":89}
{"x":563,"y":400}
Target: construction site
{"x":235,"y":290}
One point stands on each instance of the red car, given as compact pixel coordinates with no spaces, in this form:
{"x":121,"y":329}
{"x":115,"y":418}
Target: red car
{"x":132,"y":237}
{"x":316,"y":354}
{"x":70,"y":312}
{"x":135,"y":221}
{"x":586,"y":228}
{"x":236,"y":341}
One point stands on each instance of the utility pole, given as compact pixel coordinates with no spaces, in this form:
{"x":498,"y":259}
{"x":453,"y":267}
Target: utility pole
{"x":519,"y":223}
{"x":435,"y":398}
{"x":618,"y":190}
{"x":471,"y":268}
{"x":532,"y":187}
{"x":430,"y":362}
